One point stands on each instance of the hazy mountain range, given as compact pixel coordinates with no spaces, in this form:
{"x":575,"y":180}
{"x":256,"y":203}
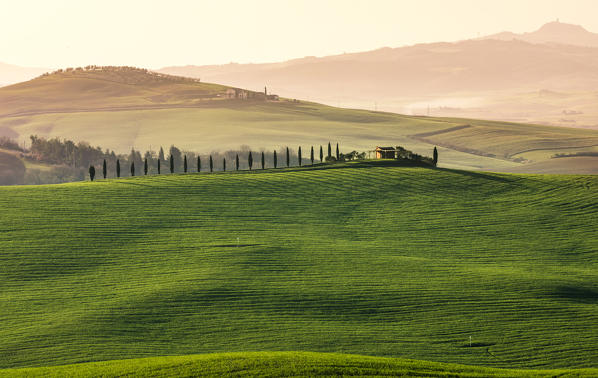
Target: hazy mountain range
{"x":547,"y":76}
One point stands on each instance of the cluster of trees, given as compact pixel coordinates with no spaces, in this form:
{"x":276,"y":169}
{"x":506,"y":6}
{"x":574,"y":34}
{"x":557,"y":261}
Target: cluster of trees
{"x":136,"y":71}
{"x":9,"y":144}
{"x":404,"y":154}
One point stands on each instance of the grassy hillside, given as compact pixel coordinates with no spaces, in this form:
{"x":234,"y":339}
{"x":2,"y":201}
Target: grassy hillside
{"x":280,"y":364}
{"x":364,"y":258}
{"x":122,"y":108}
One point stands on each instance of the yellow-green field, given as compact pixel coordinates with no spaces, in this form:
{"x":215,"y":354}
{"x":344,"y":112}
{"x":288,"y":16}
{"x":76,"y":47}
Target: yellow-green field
{"x":281,"y":364}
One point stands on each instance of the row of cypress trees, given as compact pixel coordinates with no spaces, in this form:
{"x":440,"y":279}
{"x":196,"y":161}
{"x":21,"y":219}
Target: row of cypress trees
{"x":92,"y":170}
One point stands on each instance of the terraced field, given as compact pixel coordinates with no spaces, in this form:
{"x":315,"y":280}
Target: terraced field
{"x":365,"y":258}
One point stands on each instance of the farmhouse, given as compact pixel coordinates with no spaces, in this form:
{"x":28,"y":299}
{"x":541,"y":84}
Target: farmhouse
{"x":385,"y":152}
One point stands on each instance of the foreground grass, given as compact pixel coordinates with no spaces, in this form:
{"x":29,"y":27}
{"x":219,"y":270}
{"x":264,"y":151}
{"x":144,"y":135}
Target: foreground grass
{"x":364,"y":258}
{"x":280,"y":364}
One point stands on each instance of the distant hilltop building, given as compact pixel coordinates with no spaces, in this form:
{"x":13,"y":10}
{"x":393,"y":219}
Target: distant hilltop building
{"x":241,"y":94}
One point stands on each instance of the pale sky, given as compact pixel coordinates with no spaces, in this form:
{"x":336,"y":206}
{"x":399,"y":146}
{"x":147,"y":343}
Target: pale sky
{"x":153,"y":34}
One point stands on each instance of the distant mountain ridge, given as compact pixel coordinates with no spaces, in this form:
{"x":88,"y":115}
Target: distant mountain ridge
{"x":553,"y":32}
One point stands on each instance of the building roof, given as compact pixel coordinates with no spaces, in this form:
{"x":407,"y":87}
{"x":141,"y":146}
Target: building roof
{"x":385,"y":148}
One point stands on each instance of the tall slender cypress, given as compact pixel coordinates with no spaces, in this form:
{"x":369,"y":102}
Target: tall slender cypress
{"x":250,"y":160}
{"x":224,"y":164}
{"x":211,"y":164}
{"x":311,"y":155}
{"x":288,"y":158}
{"x":338,"y":156}
{"x":145,"y":167}
{"x":329,"y":150}
{"x":158,"y":166}
{"x":171,"y":163}
{"x":104,"y":169}
{"x":92,"y":172}
{"x":435,"y":156}
{"x":185,"y":164}
{"x":321,"y":154}
{"x":117,"y":168}
{"x":275,"y":159}
{"x":198,"y":164}
{"x":299,"y":155}
{"x":237,"y":162}
{"x":132,"y":168}
{"x":263,"y":161}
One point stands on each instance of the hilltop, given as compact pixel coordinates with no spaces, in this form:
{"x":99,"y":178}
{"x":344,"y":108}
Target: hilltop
{"x":120,"y":108}
{"x":368,"y":258}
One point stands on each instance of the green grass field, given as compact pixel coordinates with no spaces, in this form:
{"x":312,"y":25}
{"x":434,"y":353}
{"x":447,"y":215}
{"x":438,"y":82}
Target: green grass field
{"x":280,"y":364}
{"x":131,"y":109}
{"x":364,"y":258}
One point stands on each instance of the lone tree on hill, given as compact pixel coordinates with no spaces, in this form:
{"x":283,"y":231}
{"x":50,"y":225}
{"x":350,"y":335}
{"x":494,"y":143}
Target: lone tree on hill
{"x":211,"y":164}
{"x":321,"y":154}
{"x":237,"y":162}
{"x":132,"y":168}
{"x":263,"y":161}
{"x":338,"y":155}
{"x":185,"y":164}
{"x":288,"y":158}
{"x":311,"y":155}
{"x":224,"y":164}
{"x":171,"y":164}
{"x":275,"y":159}
{"x":250,"y":160}
{"x":145,"y":167}
{"x":299,"y":155}
{"x":329,"y":150}
{"x":92,"y":172}
{"x":158,"y":166}
{"x":104,"y":169}
{"x":198,"y":164}
{"x":435,"y":158}
{"x":117,"y":168}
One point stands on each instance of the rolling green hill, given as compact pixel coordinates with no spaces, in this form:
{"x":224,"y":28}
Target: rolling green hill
{"x":366,"y":258}
{"x":120,"y":108}
{"x":280,"y":364}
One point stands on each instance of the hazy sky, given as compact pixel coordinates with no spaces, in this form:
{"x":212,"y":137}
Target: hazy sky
{"x":153,"y":34}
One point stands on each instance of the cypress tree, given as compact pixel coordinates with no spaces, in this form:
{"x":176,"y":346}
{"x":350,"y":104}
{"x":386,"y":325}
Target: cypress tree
{"x":299,"y":155}
{"x":211,"y":164}
{"x":161,"y":154}
{"x":198,"y":164}
{"x":329,"y":150}
{"x":104,"y":169}
{"x":435,"y":156}
{"x":171,"y":163}
{"x":263,"y":161}
{"x":92,"y":172}
{"x":338,"y":156}
{"x":224,"y":164}
{"x":132,"y":169}
{"x":185,"y":164}
{"x":275,"y":159}
{"x":288,"y":158}
{"x":311,"y":156}
{"x":321,"y":154}
{"x":250,"y":160}
{"x":145,"y":167}
{"x":117,"y":168}
{"x":237,"y":162}
{"x":158,"y":166}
